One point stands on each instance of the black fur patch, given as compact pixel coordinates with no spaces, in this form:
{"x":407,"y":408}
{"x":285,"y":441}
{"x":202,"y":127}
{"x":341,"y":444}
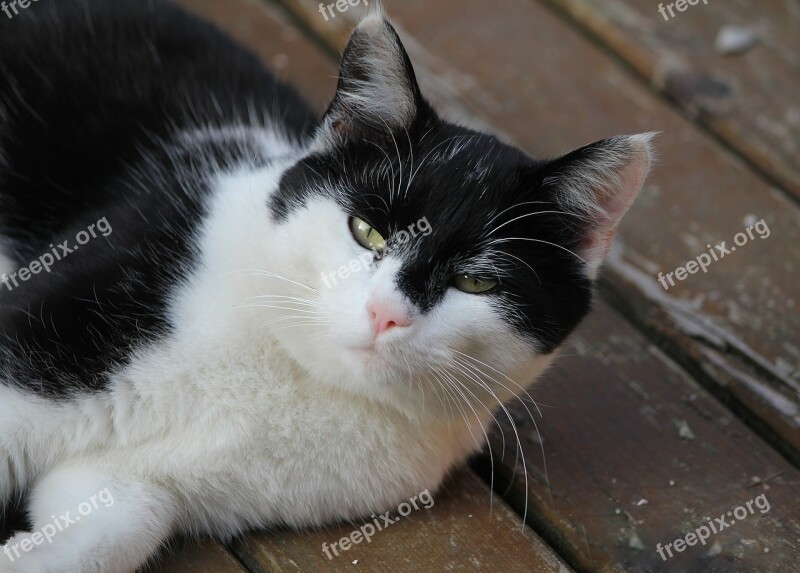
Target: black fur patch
{"x":491,"y":213}
{"x":90,"y":96}
{"x":471,"y":202}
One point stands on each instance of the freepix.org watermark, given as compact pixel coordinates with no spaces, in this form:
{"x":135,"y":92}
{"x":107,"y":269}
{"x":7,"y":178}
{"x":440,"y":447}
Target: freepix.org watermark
{"x":60,"y":523}
{"x":12,"y":7}
{"x":679,"y":5}
{"x":360,"y":263}
{"x":59,"y":252}
{"x":340,"y":6}
{"x":703,"y":261}
{"x":381,"y":522}
{"x":715,"y":526}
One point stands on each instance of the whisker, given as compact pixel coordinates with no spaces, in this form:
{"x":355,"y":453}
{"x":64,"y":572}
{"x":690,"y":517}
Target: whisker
{"x":505,"y":240}
{"x":275,"y":307}
{"x":260,"y":272}
{"x":529,"y":215}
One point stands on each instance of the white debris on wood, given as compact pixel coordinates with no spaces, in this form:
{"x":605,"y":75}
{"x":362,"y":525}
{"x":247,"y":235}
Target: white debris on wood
{"x":735,"y":40}
{"x":635,"y":542}
{"x":684,"y":431}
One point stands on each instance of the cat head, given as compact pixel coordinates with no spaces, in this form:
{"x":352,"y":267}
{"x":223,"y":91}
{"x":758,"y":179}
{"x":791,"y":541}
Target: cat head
{"x":427,"y":259}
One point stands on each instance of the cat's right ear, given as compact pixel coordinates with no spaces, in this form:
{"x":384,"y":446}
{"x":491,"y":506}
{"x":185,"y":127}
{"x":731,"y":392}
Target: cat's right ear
{"x":377,"y":92}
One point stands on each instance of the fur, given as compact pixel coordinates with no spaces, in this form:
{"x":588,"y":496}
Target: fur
{"x":194,"y":362}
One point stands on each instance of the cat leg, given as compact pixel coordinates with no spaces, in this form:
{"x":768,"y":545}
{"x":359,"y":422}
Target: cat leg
{"x":87,"y":521}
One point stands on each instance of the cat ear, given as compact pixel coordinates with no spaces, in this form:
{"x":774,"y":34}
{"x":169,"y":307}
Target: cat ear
{"x":377,"y":91}
{"x":599,"y":183}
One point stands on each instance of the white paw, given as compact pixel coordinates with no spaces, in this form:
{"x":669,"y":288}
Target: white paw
{"x":24,"y":553}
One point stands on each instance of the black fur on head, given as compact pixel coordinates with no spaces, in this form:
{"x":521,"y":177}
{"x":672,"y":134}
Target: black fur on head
{"x":537,"y":228}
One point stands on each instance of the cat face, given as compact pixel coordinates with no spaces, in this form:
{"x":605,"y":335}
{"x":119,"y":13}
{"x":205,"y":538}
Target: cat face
{"x":437,"y":261}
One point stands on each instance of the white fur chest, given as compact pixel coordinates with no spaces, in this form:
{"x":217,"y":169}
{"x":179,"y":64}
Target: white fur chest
{"x":251,"y":441}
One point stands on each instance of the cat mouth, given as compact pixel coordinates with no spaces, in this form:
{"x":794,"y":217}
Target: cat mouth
{"x":372,"y":356}
{"x":378,"y":356}
{"x":366,"y":351}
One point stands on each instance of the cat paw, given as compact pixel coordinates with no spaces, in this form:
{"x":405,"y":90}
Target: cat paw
{"x":25,"y":553}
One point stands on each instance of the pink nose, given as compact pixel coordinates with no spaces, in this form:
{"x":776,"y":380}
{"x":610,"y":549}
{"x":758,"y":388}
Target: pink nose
{"x":385,"y":316}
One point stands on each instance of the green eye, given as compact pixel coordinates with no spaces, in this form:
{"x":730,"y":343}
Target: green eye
{"x":472,"y":285}
{"x":366,"y":235}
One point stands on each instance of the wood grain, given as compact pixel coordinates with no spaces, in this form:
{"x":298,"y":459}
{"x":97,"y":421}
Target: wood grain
{"x":195,"y":557}
{"x":756,"y":111}
{"x":457,"y":533}
{"x":638,"y":454}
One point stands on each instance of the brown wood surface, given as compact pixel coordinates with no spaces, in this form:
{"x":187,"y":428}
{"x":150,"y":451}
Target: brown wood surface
{"x":744,"y":312}
{"x":195,"y":557}
{"x":638,"y":454}
{"x":457,"y":533}
{"x":756,"y":109}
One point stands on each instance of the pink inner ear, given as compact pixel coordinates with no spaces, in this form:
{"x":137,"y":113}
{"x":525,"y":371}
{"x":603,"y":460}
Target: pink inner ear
{"x":631,"y":178}
{"x":614,"y":201}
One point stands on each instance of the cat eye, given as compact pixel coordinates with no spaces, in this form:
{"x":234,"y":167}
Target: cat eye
{"x":473,"y":285}
{"x":366,"y":235}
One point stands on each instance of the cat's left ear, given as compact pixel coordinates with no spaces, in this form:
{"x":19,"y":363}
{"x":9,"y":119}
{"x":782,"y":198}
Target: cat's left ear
{"x":598,"y":183}
{"x":377,"y":91}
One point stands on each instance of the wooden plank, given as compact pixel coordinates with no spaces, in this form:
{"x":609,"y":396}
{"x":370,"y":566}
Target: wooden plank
{"x":755,"y":106}
{"x":639,"y":455}
{"x":736,"y":327}
{"x":457,"y":533}
{"x":195,"y":557}
{"x":181,"y":556}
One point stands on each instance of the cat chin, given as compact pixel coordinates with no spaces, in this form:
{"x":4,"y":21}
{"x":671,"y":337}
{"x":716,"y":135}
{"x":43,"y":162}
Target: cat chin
{"x":409,"y":387}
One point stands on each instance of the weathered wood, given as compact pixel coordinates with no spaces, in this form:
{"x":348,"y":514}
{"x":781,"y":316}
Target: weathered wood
{"x":639,"y":455}
{"x":756,"y":108}
{"x":195,"y":557}
{"x":737,"y":326}
{"x":457,"y":533}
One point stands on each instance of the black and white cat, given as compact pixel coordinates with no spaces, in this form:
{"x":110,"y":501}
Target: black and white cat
{"x":221,"y":314}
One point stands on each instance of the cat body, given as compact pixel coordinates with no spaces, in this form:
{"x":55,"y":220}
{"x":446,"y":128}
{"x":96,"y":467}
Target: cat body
{"x":183,"y":356}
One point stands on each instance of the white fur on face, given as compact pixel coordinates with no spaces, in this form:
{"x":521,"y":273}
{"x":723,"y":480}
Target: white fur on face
{"x":322,"y":319}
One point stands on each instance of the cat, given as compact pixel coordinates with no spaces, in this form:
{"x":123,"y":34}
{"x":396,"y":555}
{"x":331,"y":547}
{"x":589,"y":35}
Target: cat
{"x":220,"y":312}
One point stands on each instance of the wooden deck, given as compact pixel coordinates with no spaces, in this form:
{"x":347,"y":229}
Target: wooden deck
{"x":668,"y":408}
